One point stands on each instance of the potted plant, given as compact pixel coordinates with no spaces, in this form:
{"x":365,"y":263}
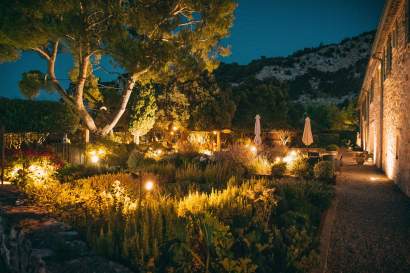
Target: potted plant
{"x":360,"y":158}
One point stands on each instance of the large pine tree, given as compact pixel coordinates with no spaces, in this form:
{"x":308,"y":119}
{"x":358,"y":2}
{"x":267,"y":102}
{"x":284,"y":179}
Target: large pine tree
{"x":146,"y":39}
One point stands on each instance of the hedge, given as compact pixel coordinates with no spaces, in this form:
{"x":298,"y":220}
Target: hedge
{"x":20,"y":116}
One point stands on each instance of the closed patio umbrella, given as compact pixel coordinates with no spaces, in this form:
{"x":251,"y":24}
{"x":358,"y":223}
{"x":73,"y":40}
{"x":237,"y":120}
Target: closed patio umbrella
{"x":307,"y":138}
{"x":257,"y":140}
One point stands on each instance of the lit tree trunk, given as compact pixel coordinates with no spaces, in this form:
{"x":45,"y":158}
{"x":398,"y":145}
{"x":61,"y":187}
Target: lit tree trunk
{"x":79,"y":96}
{"x":124,"y":101}
{"x":78,"y":101}
{"x":137,"y":138}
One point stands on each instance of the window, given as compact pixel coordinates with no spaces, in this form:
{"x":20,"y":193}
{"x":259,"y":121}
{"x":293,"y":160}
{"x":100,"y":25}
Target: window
{"x":371,"y":92}
{"x":383,"y":70}
{"x":395,"y":35}
{"x":364,"y":109}
{"x":388,"y":56}
{"x":408,"y":20}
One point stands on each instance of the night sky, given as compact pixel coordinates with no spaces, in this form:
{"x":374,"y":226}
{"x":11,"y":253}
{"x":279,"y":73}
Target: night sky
{"x":262,"y":28}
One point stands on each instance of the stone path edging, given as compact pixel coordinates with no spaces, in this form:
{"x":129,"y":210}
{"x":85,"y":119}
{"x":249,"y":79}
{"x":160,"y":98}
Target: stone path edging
{"x":325,"y":235}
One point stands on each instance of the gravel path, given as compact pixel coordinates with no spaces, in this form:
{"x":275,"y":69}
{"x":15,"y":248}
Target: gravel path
{"x":371,"y":230}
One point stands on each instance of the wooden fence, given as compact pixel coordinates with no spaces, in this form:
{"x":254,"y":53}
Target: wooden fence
{"x":73,"y":154}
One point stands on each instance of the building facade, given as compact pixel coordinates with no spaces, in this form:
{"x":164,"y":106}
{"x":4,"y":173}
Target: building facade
{"x":384,"y":101}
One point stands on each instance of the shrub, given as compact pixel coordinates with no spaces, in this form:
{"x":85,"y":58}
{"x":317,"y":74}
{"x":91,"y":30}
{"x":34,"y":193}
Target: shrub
{"x":300,"y":167}
{"x":180,"y":159}
{"x":298,"y":214}
{"x":117,"y":153}
{"x":136,"y":161}
{"x":31,"y":166}
{"x":324,"y":170}
{"x":327,"y":139}
{"x":278,"y":169}
{"x":165,"y":170}
{"x":71,"y":172}
{"x":220,"y":172}
{"x":189,"y":173}
{"x":259,"y":165}
{"x":332,"y":147}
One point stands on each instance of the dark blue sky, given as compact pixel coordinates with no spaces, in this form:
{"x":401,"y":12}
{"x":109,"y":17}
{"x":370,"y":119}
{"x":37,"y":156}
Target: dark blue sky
{"x":262,"y":28}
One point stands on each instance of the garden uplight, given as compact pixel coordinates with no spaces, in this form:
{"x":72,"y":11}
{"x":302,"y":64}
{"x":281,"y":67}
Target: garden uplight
{"x":253,"y":149}
{"x":37,"y":170}
{"x":290,"y":157}
{"x":174,"y":128}
{"x":206,"y":152}
{"x":149,"y":185}
{"x":94,"y":158}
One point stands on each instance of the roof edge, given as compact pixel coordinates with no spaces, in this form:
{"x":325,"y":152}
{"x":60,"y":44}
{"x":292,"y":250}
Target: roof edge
{"x":382,"y":20}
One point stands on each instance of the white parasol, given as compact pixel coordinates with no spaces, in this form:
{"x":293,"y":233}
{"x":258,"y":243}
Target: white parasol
{"x":257,"y":140}
{"x":307,"y":138}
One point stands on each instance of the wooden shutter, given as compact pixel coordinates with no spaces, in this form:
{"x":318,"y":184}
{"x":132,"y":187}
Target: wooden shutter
{"x":407,"y":20}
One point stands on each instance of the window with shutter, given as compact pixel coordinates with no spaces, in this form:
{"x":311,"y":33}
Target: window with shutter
{"x":384,"y":65}
{"x":408,"y":20}
{"x":388,"y":56}
{"x":395,"y":35}
{"x":371,"y":90}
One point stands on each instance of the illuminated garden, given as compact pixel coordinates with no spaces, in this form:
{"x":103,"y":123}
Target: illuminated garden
{"x":245,"y":208}
{"x":132,"y":138}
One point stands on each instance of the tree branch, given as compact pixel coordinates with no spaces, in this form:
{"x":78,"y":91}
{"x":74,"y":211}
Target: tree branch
{"x":42,"y":52}
{"x":124,"y":100}
{"x":82,"y":77}
{"x":190,"y":23}
{"x":51,"y":72}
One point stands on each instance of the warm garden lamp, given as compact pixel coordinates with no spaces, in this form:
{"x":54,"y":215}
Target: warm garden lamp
{"x":94,"y":158}
{"x":149,"y":185}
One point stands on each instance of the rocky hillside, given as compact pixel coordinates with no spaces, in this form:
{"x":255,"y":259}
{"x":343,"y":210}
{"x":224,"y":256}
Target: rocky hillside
{"x":330,"y":73}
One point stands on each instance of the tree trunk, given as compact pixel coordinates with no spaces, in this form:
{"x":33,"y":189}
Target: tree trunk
{"x":78,"y":101}
{"x":124,"y":101}
{"x":79,"y":95}
{"x":137,"y":138}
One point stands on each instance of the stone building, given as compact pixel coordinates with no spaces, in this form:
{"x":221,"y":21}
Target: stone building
{"x":384,"y":101}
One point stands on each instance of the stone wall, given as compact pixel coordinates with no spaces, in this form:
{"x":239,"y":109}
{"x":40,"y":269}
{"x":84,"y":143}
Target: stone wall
{"x":396,"y":110}
{"x":33,"y":242}
{"x":394,"y":151}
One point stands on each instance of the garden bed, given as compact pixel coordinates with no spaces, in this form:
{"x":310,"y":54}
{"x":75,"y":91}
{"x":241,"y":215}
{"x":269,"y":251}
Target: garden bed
{"x":193,"y":213}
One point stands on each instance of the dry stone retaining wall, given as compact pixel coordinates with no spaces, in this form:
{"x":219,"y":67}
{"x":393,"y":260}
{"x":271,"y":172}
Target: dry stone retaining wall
{"x":33,"y":242}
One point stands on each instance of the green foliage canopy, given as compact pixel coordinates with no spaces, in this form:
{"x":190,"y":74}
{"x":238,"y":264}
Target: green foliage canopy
{"x":144,"y":114}
{"x":148,"y":40}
